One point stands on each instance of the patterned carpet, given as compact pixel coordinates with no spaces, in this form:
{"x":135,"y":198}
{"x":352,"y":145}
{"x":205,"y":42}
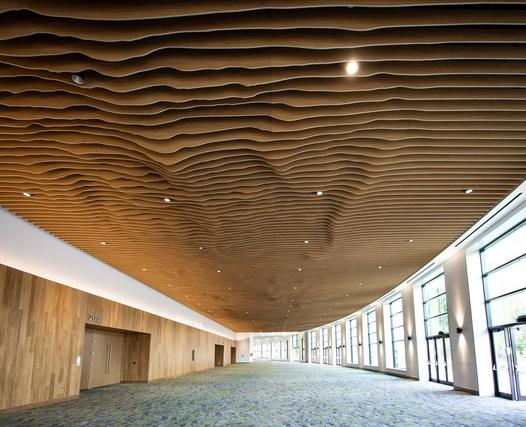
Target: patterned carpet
{"x":277,"y":394}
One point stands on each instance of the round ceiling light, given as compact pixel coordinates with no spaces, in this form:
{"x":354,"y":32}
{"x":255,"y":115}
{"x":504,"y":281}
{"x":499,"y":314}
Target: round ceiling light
{"x":26,"y":194}
{"x":167,"y":200}
{"x":468,"y":191}
{"x":319,"y":193}
{"x":351,"y":68}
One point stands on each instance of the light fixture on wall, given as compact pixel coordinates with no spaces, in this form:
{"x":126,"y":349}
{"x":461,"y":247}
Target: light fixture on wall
{"x":459,"y":330}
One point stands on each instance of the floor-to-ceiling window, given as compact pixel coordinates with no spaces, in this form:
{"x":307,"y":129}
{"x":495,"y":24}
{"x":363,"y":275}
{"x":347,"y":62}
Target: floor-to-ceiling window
{"x":325,"y":344}
{"x":283,"y":350}
{"x":372,"y":343}
{"x":503,"y":264}
{"x":352,"y":341}
{"x":396,"y":317}
{"x":437,"y":330}
{"x":313,"y":338}
{"x":295,"y":348}
{"x":338,"y":342}
{"x":275,"y":345}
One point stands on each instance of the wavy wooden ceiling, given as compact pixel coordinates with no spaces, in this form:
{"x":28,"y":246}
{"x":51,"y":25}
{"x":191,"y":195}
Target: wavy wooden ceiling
{"x":239,"y":111}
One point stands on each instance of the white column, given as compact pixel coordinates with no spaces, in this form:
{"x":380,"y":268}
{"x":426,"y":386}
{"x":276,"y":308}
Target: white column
{"x":470,"y":349}
{"x":380,"y":335}
{"x":332,"y":348}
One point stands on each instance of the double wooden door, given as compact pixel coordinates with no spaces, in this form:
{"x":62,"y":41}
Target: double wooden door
{"x":102,"y":358}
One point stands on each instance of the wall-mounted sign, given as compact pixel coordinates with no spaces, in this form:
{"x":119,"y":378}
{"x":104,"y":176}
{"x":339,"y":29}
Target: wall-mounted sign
{"x":94,"y":318}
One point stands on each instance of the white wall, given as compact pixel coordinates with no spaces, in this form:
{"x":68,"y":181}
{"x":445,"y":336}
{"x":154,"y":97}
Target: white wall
{"x":25,"y":247}
{"x":243,"y":351}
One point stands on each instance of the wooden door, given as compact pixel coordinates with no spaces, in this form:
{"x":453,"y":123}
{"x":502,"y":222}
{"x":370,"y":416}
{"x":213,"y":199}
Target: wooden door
{"x":102,"y":358}
{"x":232,"y":355}
{"x":219,"y":355}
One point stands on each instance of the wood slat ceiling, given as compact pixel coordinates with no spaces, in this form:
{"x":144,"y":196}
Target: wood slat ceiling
{"x":239,"y":111}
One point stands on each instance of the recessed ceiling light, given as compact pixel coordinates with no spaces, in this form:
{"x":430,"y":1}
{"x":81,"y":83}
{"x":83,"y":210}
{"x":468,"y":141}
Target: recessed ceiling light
{"x":167,"y":200}
{"x":410,"y":240}
{"x":26,"y":194}
{"x":200,"y":248}
{"x":379,"y":267}
{"x":78,"y":78}
{"x":219,"y":271}
{"x":346,"y":295}
{"x":292,"y":300}
{"x":361,"y":284}
{"x":186,"y":296}
{"x":103,"y":243}
{"x":305,"y":241}
{"x":299,"y":269}
{"x":319,"y":193}
{"x":143,"y":269}
{"x":169,"y":286}
{"x":468,"y":191}
{"x":352,"y":67}
{"x":288,"y":311}
{"x":295,"y":287}
{"x":246,"y":312}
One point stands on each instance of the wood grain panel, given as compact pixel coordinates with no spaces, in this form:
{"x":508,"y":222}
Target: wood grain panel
{"x":136,"y":361}
{"x":238,"y":112}
{"x":42,"y":326}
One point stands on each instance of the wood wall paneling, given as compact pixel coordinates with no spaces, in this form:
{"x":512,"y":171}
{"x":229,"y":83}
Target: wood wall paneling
{"x":42,"y":326}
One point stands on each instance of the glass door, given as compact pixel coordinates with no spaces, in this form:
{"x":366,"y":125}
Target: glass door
{"x":501,"y":365}
{"x":518,"y":341}
{"x":509,"y":361}
{"x":439,"y":359}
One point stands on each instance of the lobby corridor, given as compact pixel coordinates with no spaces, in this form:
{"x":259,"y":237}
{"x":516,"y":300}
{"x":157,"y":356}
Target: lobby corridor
{"x":277,"y":394}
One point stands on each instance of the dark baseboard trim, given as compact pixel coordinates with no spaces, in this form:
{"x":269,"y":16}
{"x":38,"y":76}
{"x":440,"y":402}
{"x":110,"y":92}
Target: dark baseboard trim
{"x":392,"y":373}
{"x":37,"y":404}
{"x":466,"y":390}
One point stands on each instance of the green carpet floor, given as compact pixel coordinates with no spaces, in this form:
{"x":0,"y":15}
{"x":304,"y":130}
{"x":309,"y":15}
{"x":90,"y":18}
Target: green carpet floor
{"x":277,"y":394}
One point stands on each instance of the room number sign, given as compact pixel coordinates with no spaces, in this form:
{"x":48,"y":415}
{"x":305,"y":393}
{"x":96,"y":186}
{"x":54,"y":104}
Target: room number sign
{"x":92,"y":317}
